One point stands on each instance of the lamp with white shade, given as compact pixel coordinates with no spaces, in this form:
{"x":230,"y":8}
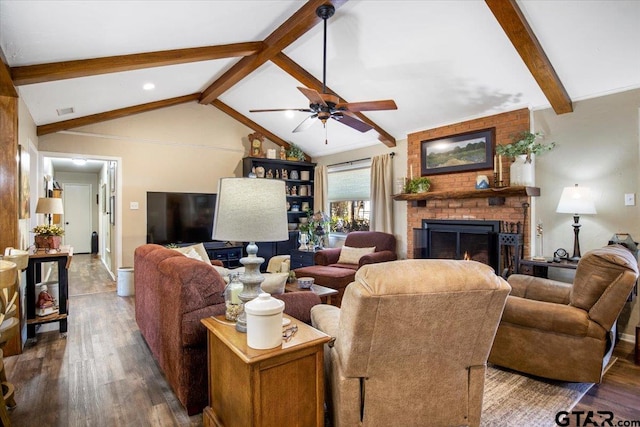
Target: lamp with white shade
{"x":250,"y":210}
{"x":49,"y":206}
{"x":577,"y":201}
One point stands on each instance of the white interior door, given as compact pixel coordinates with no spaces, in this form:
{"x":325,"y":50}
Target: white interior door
{"x":77,"y":216}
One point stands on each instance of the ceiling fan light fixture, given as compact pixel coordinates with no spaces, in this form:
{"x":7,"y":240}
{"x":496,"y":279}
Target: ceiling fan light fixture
{"x":324,"y":105}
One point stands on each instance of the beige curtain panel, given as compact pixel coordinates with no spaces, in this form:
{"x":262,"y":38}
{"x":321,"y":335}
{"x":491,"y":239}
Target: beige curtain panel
{"x":381,"y":192}
{"x":320,"y":190}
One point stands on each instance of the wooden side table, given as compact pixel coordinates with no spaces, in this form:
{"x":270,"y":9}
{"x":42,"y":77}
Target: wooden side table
{"x":63,"y":258}
{"x":540,"y":268}
{"x":276,"y":387}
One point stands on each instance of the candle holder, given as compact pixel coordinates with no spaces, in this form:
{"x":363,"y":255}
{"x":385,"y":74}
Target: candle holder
{"x":497,"y":183}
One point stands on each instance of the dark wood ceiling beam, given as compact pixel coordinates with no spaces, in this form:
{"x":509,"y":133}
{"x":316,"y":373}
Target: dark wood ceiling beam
{"x":514,"y":24}
{"x":307,"y":79}
{"x":6,"y":84}
{"x":41,"y":73}
{"x":114,"y":114}
{"x":294,"y":27}
{"x":251,"y":124}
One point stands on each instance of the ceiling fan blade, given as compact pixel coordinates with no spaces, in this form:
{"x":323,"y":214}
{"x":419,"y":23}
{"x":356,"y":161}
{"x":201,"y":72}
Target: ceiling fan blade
{"x":312,"y":95}
{"x":304,"y":110}
{"x":352,"y":122}
{"x":306,"y":123}
{"x":387,"y":104}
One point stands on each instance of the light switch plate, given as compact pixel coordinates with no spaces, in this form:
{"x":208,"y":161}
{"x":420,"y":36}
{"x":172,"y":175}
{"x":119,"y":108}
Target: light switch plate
{"x":133,"y":205}
{"x":629,"y":199}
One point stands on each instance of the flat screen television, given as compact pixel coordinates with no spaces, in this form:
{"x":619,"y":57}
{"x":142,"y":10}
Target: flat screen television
{"x":180,"y":217}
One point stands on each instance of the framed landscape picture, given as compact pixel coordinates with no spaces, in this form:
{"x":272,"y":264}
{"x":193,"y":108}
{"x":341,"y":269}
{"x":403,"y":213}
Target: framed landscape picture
{"x":458,"y":153}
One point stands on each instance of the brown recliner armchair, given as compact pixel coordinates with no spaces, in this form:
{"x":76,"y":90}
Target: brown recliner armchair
{"x":563,"y":332}
{"x":411,"y":343}
{"x":330,"y":271}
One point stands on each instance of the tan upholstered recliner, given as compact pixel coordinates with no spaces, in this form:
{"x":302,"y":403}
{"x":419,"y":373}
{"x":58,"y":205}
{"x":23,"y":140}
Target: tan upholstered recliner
{"x":411,"y":343}
{"x":555,"y":330}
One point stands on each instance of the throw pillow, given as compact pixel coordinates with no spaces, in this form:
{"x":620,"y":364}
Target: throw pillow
{"x":274,"y":283}
{"x":349,"y":255}
{"x":199,"y":249}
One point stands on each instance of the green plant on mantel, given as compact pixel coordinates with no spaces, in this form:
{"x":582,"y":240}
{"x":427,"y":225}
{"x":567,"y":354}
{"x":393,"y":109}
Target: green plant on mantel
{"x":420,"y":184}
{"x":295,"y":152}
{"x":524,"y":143}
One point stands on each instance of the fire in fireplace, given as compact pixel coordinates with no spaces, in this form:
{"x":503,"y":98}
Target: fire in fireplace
{"x":458,"y":239}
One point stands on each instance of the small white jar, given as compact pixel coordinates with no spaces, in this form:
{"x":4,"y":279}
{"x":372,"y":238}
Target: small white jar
{"x":264,"y":322}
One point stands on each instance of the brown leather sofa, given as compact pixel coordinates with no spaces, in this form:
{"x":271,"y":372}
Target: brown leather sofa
{"x":172,"y":293}
{"x":411,"y":342}
{"x":329,"y":272}
{"x":563,"y":332}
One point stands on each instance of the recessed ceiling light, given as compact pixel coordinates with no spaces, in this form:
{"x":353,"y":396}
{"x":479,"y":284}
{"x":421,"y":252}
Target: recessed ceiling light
{"x":79,"y":162}
{"x":148,"y":86}
{"x":63,"y":111}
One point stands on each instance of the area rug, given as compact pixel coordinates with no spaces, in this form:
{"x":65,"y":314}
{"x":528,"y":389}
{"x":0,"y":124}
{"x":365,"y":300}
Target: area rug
{"x":516,"y":400}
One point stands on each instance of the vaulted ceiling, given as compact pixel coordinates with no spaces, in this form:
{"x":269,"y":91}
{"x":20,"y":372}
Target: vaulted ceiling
{"x":441,"y":61}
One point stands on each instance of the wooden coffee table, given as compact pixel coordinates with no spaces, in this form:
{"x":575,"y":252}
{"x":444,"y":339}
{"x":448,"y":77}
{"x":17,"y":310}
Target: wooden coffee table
{"x":322,"y":291}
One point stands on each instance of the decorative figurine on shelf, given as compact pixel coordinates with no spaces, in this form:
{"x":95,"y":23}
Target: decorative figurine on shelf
{"x":283,"y":153}
{"x":287,"y":190}
{"x":294,"y":191}
{"x":256,"y":140}
{"x":46,"y":305}
{"x":277,"y":174}
{"x":269,"y":173}
{"x":285,"y":174}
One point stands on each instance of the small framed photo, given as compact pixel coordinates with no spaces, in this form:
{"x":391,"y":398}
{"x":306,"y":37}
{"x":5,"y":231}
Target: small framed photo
{"x":463,"y":152}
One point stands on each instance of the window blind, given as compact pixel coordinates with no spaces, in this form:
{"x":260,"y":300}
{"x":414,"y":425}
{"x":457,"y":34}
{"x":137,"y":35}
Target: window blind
{"x":349,"y":184}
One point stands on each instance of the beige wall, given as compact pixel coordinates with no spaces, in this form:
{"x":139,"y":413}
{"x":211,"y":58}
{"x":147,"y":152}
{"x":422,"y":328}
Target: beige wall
{"x":28,"y":140}
{"x":182,"y":148}
{"x":598,"y":147}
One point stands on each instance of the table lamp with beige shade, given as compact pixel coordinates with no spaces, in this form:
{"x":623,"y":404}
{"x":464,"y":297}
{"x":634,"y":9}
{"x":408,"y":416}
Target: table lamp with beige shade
{"x":250,"y":210}
{"x":577,"y":201}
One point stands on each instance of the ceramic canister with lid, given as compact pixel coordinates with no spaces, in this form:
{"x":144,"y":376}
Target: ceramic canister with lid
{"x":264,"y":322}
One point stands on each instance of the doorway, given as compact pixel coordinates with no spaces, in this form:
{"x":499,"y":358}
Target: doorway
{"x":77,"y":200}
{"x":85,"y":184}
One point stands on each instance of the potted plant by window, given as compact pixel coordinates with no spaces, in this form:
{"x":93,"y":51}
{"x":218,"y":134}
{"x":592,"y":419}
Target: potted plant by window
{"x":48,"y":236}
{"x":420,"y":184}
{"x":295,"y":153}
{"x":522,"y":149}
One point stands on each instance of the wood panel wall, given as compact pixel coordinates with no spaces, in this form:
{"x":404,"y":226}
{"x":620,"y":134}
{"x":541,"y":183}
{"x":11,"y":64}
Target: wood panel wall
{"x":8,"y":172}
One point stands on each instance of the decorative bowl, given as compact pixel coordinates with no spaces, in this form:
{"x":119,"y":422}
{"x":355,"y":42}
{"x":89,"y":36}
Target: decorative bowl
{"x":303,"y":220}
{"x":305,"y":282}
{"x":292,"y":226}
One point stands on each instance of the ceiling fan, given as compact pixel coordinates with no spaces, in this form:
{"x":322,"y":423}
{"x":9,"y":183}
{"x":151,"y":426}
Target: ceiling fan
{"x":325,"y":106}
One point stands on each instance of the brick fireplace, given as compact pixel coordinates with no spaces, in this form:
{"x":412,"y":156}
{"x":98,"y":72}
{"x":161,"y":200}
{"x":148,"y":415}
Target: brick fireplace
{"x":456,"y":206}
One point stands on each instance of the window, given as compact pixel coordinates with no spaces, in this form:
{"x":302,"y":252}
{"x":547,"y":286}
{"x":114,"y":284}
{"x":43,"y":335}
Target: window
{"x":348,"y":196}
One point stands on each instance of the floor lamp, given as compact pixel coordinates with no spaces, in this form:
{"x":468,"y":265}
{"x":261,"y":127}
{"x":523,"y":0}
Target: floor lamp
{"x":577,"y":201}
{"x":250,"y":210}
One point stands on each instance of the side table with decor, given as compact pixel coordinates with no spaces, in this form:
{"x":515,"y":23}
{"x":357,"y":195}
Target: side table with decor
{"x":63,"y":259}
{"x":277,"y":387}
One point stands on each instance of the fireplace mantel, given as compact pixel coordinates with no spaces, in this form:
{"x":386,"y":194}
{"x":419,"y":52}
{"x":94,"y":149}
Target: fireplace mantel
{"x":496,"y":196}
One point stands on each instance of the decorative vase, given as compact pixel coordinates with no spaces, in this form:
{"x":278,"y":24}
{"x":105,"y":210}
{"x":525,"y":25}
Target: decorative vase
{"x":521,"y":172}
{"x":47,"y":242}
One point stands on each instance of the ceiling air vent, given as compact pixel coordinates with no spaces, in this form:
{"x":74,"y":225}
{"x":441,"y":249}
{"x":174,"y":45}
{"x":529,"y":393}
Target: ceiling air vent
{"x":64,"y":111}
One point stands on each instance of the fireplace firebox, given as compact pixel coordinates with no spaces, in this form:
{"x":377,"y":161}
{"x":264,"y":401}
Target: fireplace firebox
{"x":475,"y":240}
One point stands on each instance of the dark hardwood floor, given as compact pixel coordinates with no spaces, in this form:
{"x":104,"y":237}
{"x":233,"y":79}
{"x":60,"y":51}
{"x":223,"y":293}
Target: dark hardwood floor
{"x":102,"y":373}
